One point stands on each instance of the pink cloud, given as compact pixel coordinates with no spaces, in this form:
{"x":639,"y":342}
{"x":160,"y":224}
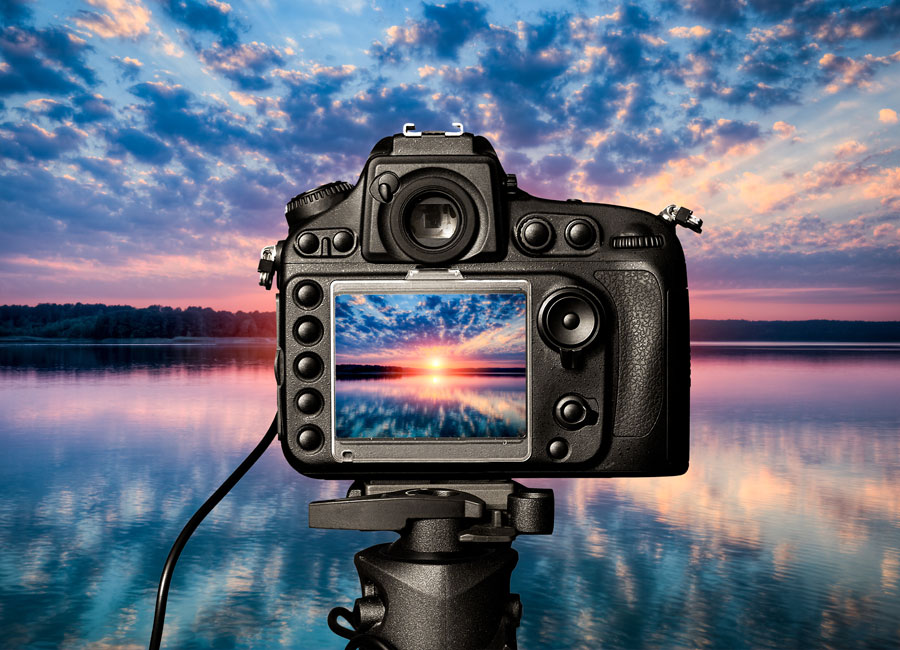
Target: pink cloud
{"x":887,"y":116}
{"x":123,"y":19}
{"x":846,"y":71}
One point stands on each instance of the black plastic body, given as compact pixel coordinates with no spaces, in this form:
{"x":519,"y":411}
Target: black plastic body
{"x":635,"y":374}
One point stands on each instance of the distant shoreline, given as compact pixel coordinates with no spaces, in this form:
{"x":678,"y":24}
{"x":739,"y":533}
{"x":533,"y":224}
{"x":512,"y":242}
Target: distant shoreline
{"x":177,"y":340}
{"x":271,"y":342}
{"x":115,"y":324}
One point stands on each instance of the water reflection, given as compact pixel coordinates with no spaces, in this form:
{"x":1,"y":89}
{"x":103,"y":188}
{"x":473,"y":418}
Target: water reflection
{"x":431,"y":406}
{"x":783,"y":533}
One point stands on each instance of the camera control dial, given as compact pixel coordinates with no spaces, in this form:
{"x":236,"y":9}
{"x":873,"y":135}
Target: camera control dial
{"x":312,"y":202}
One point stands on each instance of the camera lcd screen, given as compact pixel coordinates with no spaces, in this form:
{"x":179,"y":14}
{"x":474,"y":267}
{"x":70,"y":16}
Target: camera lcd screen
{"x":432,"y":366}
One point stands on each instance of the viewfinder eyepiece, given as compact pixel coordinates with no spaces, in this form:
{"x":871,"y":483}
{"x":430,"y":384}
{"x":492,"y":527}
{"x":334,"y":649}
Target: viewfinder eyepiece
{"x":433,"y":221}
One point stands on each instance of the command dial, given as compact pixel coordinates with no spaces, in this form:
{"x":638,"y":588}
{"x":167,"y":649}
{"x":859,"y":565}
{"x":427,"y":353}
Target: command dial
{"x":313,"y":202}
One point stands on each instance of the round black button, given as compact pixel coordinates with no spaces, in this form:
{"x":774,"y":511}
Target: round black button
{"x":308,"y":366}
{"x":308,"y":330}
{"x":573,"y":411}
{"x":569,"y":318}
{"x":343,"y":241}
{"x":307,"y":294}
{"x":309,"y":402}
{"x":535,"y":234}
{"x":309,"y":439}
{"x":580,"y":234}
{"x":307,"y":243}
{"x":558,"y":449}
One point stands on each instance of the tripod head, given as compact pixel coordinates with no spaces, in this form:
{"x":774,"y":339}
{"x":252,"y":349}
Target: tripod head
{"x":445,"y":582}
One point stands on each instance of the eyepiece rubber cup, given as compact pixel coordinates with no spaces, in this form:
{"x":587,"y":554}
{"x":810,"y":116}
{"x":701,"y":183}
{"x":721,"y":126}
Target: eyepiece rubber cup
{"x":432,"y":219}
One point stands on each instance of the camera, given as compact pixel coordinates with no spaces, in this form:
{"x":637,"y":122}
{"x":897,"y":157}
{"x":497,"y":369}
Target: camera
{"x":437,"y":322}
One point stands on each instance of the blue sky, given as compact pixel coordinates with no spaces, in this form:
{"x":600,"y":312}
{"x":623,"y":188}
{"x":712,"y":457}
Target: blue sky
{"x":431,"y":330}
{"x":148,"y":147}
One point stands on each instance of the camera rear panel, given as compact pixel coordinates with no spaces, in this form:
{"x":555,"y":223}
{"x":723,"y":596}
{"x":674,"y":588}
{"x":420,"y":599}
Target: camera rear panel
{"x":603,"y":365}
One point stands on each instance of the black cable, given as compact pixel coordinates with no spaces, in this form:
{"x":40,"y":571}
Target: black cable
{"x":163,"y":593}
{"x":358,"y":640}
{"x":337,"y":628}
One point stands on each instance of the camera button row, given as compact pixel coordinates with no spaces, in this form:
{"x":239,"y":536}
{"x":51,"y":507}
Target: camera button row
{"x":329,"y":242}
{"x":537,"y":234}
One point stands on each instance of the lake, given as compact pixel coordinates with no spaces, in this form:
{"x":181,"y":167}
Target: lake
{"x":784,"y":533}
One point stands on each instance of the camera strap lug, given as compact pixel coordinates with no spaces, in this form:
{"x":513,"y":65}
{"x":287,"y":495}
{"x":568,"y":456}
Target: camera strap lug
{"x":268,"y":258}
{"x":681,"y":216}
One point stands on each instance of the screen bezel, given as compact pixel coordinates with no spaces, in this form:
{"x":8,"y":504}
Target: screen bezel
{"x":433,"y":450}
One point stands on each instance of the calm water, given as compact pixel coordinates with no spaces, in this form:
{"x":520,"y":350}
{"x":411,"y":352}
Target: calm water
{"x":437,"y":405}
{"x":785,"y":532}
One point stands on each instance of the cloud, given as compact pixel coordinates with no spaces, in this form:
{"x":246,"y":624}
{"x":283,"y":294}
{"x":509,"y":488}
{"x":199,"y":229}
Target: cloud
{"x":849,"y":148}
{"x":784,"y":130}
{"x":145,"y":148}
{"x":245,"y":64}
{"x":122,"y":19}
{"x":442,"y":31}
{"x":174,"y":113}
{"x":28,"y":141}
{"x":205,"y":16}
{"x":15,"y":11}
{"x":887,"y":116}
{"x":697,"y":31}
{"x":91,"y":107}
{"x":50,"y":60}
{"x":717,"y":11}
{"x":724,"y":135}
{"x":850,"y":22}
{"x":842,"y":71}
{"x":129,"y":66}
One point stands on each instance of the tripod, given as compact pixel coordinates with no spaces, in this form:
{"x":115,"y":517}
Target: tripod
{"x":444,"y":584}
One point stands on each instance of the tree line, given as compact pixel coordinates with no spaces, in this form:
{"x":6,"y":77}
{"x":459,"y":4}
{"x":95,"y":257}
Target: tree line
{"x":98,"y":321}
{"x":843,"y":331}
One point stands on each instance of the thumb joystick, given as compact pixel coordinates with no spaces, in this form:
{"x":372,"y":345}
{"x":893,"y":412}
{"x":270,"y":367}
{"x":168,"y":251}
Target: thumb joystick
{"x":569,"y":320}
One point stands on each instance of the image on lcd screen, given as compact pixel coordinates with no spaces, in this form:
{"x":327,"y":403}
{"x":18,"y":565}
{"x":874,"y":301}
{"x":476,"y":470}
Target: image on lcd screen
{"x":434,"y":366}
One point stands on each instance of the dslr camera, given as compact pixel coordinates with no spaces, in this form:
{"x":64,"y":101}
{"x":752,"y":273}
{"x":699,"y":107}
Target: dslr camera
{"x":437,"y":322}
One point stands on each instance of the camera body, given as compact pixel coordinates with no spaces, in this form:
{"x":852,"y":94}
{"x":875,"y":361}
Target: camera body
{"x":436,"y":322}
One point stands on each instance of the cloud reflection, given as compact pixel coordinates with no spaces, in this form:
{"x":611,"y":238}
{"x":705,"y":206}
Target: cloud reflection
{"x":783,"y":533}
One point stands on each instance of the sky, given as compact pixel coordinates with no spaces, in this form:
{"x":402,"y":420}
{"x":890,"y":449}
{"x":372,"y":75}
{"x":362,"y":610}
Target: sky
{"x":147,"y":147}
{"x":433,"y":331}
